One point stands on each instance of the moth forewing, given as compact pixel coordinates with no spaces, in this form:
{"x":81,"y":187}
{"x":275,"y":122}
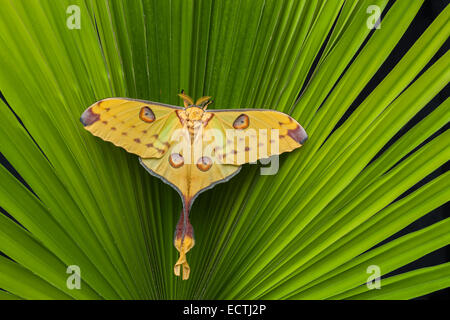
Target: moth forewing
{"x":181,"y":144}
{"x":213,"y":143}
{"x":263,"y":144}
{"x":244,"y":146}
{"x":274,"y":142}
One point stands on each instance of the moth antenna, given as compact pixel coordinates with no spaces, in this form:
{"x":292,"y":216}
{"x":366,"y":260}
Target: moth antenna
{"x":186,"y":99}
{"x":207,"y":104}
{"x":201,"y":101}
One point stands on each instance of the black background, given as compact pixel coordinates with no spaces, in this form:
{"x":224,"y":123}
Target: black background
{"x":428,"y":12}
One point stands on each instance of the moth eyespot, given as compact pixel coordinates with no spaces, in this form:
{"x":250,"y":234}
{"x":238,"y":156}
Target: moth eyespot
{"x":241,"y":122}
{"x":146,"y":114}
{"x":176,"y":160}
{"x":204,"y":163}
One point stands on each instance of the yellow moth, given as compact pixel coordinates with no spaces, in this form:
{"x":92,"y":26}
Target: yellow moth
{"x":192,"y":149}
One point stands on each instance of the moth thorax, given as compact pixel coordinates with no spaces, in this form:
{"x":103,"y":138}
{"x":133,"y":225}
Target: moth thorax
{"x":193,"y":126}
{"x":194,"y":113}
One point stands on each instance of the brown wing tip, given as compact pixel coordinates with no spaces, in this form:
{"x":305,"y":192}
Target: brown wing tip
{"x":89,"y":117}
{"x":298,"y":134}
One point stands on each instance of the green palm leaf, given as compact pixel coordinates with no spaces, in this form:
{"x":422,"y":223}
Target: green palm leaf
{"x":308,"y":232}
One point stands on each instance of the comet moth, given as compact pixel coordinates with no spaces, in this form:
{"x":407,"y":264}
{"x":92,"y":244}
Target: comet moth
{"x":191,"y":148}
